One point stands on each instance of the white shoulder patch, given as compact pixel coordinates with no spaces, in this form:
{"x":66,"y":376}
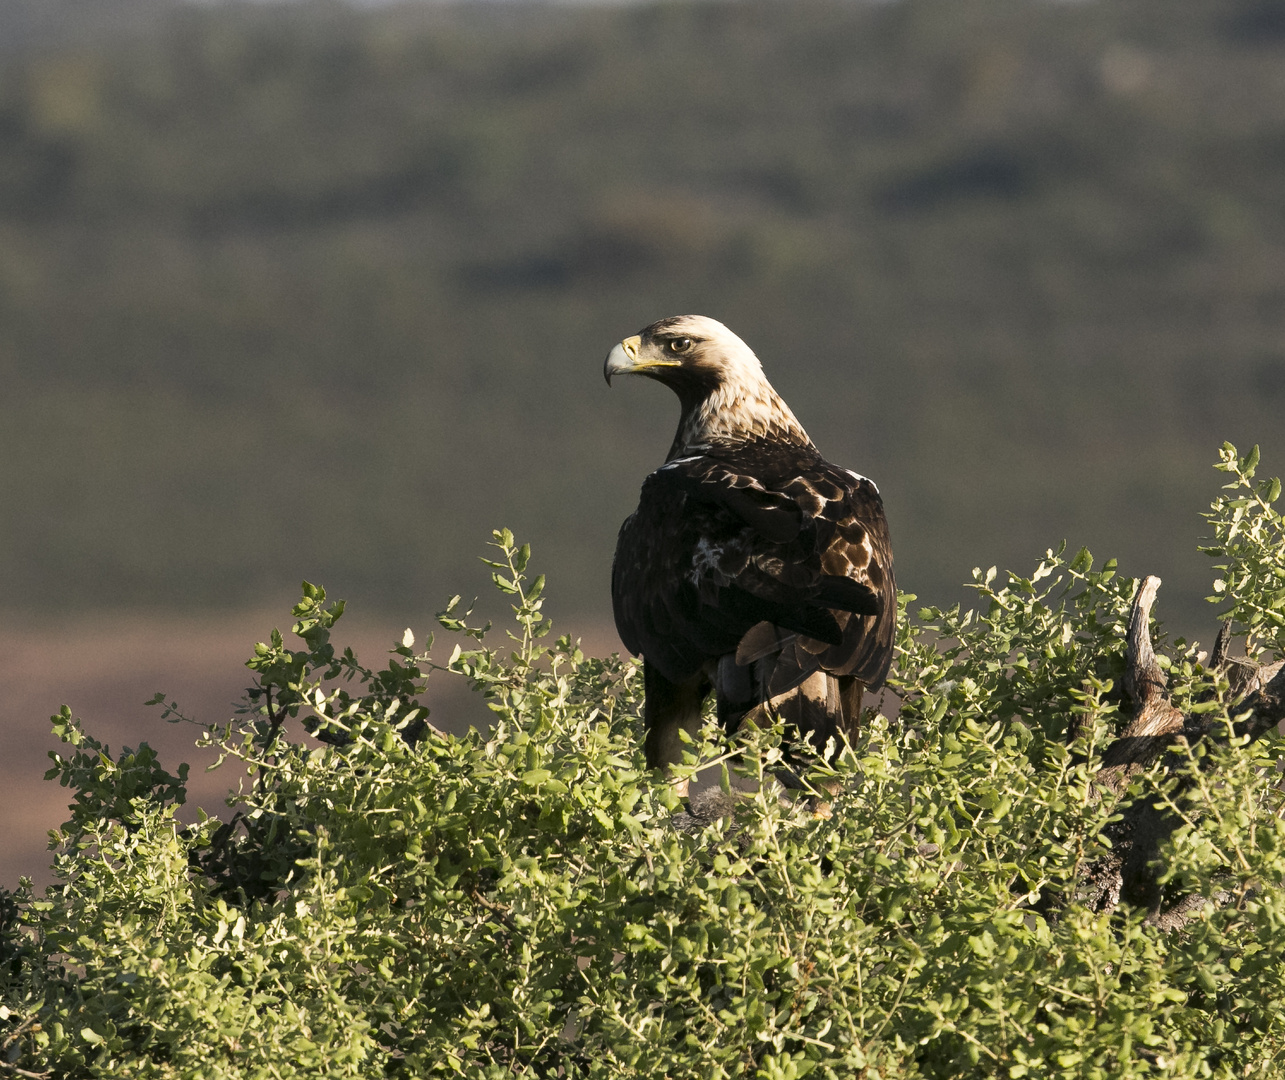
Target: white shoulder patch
{"x":858,"y":478}
{"x":705,"y":560}
{"x":679,"y":461}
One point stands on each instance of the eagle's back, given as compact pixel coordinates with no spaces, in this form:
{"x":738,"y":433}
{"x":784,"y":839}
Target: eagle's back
{"x":760,"y":552}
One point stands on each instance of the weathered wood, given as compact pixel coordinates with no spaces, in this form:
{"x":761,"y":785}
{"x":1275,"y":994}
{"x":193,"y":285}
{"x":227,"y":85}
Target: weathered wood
{"x":1155,"y":721}
{"x":1265,"y":703}
{"x":1130,"y":871}
{"x":1222,"y":646}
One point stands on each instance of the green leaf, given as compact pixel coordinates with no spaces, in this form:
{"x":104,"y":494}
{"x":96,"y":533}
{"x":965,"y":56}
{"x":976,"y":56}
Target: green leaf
{"x":529,"y":893}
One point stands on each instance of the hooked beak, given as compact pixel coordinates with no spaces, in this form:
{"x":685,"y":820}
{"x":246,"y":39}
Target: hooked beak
{"x":623,"y":358}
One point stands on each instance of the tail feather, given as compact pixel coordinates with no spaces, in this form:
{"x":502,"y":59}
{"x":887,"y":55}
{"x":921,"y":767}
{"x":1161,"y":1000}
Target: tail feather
{"x":772,"y":675}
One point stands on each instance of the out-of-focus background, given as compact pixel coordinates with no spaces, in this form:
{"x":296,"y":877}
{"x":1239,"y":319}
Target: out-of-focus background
{"x":319,"y":290}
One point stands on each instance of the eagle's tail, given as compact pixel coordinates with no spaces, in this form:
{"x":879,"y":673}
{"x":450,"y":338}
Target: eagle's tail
{"x":772,"y":674}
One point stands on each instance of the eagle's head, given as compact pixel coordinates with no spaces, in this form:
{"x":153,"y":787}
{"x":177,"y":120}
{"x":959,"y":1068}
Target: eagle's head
{"x":725,"y":396}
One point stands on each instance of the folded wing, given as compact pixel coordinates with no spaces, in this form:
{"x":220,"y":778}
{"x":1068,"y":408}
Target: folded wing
{"x":760,"y":554}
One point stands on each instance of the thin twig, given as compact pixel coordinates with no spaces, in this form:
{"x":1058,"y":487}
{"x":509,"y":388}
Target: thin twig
{"x":14,"y":1070}
{"x":28,"y":1023}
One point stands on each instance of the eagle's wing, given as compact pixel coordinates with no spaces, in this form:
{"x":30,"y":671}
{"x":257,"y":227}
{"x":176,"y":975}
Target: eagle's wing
{"x":763,"y":535}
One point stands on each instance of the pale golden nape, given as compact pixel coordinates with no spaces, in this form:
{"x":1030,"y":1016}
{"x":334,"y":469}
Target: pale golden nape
{"x":743,"y":405}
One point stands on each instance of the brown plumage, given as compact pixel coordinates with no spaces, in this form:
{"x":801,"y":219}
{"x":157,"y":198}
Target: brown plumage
{"x":752,"y":567}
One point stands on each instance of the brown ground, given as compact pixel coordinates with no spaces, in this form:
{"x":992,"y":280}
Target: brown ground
{"x":106,"y":668}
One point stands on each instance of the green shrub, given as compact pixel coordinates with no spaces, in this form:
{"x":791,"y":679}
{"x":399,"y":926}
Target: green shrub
{"x":388,"y":900}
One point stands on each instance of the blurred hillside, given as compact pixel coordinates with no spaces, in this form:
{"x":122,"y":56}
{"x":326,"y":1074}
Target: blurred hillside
{"x":307,"y":290}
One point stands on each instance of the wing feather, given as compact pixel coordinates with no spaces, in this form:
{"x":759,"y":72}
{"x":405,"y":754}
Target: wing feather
{"x":761,"y":533}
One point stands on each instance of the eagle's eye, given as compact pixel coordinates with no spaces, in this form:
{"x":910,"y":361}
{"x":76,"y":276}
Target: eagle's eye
{"x":680,"y":344}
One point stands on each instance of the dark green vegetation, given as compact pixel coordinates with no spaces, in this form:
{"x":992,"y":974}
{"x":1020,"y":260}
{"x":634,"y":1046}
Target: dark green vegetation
{"x":522,"y":902}
{"x":314,"y":290}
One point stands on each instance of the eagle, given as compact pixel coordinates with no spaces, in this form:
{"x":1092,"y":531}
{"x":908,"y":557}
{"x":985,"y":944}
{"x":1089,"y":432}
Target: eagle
{"x":753,"y":567}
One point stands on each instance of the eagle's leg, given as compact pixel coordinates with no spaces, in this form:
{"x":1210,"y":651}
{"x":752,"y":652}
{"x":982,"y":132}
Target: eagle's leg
{"x":851,"y":690}
{"x":736,"y":691}
{"x":668,"y":708}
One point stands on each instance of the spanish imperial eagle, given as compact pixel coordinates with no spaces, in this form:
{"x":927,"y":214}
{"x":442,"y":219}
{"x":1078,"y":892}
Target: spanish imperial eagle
{"x":752,"y":567}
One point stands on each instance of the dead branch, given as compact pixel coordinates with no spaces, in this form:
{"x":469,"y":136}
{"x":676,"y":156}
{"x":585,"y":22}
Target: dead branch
{"x":1265,"y":703}
{"x":1155,"y":721}
{"x":1130,"y":871}
{"x":1243,"y":675}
